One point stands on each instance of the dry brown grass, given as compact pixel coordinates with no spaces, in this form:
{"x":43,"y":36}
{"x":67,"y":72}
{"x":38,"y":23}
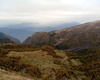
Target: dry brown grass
{"x":39,"y":58}
{"x":43,"y":62}
{"x":6,"y":75}
{"x":50,"y":67}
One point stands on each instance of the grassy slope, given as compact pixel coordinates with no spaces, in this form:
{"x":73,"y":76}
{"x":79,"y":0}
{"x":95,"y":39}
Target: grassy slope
{"x":52,"y":64}
{"x":7,"y":75}
{"x":47,"y":63}
{"x":90,"y":60}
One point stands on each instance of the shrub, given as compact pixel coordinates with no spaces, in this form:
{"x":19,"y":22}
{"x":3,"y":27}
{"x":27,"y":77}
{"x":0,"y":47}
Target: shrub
{"x":33,"y":71}
{"x":3,"y":52}
{"x":15,"y":64}
{"x":65,"y":71}
{"x":50,"y":50}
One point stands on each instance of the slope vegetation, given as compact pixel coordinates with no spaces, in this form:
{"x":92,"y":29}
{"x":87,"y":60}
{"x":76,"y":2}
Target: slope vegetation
{"x":40,"y":63}
{"x":75,"y":38}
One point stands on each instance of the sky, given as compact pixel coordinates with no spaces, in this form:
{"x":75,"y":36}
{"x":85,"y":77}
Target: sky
{"x":48,"y":12}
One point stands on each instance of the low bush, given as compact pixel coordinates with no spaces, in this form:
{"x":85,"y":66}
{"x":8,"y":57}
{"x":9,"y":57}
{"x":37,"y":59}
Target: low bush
{"x":65,"y":71}
{"x":33,"y":71}
{"x":15,"y":64}
{"x":50,"y":50}
{"x":3,"y":52}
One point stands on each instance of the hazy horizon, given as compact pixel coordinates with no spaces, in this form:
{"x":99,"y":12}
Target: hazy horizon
{"x":48,"y":12}
{"x":49,"y":39}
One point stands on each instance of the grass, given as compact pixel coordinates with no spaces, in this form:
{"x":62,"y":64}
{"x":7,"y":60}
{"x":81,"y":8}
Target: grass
{"x":39,"y":58}
{"x":45,"y":63}
{"x":61,"y":53}
{"x":7,"y":75}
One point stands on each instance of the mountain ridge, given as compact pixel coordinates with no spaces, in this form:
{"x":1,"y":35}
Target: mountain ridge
{"x":22,"y":31}
{"x":8,"y":39}
{"x":74,"y":38}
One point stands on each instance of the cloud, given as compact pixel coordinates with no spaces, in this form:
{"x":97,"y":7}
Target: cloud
{"x":49,"y":11}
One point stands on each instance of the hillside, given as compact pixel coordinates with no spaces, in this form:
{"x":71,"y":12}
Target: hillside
{"x":75,"y":38}
{"x":8,"y":39}
{"x":22,"y":31}
{"x":90,"y":60}
{"x":13,"y":39}
{"x":28,"y":62}
{"x":5,"y":40}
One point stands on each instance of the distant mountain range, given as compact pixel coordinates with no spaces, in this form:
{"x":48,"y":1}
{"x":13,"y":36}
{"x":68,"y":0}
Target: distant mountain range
{"x":22,"y":31}
{"x":8,"y":39}
{"x":74,"y":38}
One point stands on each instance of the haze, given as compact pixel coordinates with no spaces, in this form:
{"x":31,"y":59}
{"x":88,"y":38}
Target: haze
{"x":48,"y":12}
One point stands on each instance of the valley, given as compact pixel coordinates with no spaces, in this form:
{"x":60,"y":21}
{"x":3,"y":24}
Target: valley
{"x":67,"y":54}
{"x":49,"y":39}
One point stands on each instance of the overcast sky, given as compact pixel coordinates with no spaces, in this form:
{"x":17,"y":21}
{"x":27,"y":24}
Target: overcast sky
{"x":48,"y":11}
